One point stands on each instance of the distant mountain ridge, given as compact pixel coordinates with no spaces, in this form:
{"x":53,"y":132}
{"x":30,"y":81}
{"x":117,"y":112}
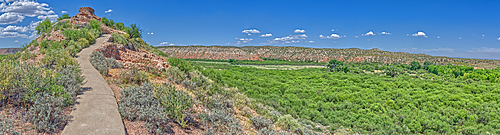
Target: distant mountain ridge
{"x":7,"y":51}
{"x":315,"y":55}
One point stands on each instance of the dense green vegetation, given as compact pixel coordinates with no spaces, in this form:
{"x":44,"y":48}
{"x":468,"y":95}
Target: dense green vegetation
{"x":264,"y":62}
{"x":405,"y":99}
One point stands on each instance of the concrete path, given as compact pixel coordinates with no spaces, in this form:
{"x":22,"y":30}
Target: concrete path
{"x":95,"y":111}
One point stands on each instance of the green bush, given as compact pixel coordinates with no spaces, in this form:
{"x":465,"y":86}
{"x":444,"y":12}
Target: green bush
{"x":138,"y":104}
{"x":119,"y":39}
{"x":94,"y":24}
{"x":176,"y":103}
{"x":84,"y":43}
{"x":63,"y":25}
{"x":175,"y":75}
{"x":44,"y":27}
{"x":98,"y":60}
{"x":260,"y":122}
{"x":288,"y":122}
{"x":112,"y":63}
{"x":73,"y":34}
{"x":120,"y":26}
{"x":58,"y":59}
{"x":46,"y":113}
{"x":27,"y":55}
{"x":64,"y":16}
{"x":134,"y":76}
{"x":181,"y":64}
{"x":44,"y":44}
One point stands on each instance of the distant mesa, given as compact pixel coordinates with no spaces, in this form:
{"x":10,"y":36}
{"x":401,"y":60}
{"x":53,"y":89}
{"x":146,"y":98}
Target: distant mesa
{"x":7,"y":51}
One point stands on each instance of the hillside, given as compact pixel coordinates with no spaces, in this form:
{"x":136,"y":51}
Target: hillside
{"x":315,"y":55}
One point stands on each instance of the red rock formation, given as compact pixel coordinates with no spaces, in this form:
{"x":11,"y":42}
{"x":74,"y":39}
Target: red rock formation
{"x":133,"y":59}
{"x":84,"y":16}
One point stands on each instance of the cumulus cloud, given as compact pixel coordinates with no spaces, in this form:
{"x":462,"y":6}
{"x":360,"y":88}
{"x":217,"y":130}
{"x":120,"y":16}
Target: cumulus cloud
{"x":333,"y":36}
{"x":108,"y":11}
{"x":10,"y":18}
{"x":242,"y":41}
{"x":266,"y":35}
{"x":309,"y":41}
{"x":64,"y":12}
{"x":290,"y":37}
{"x":251,"y":31}
{"x":166,"y":43}
{"x":385,"y":33}
{"x":459,"y":37}
{"x":429,"y":50}
{"x":151,"y":33}
{"x":370,"y":33}
{"x":299,"y":31}
{"x":419,"y":34}
{"x":438,"y":37}
{"x":498,"y":38}
{"x":50,"y":17}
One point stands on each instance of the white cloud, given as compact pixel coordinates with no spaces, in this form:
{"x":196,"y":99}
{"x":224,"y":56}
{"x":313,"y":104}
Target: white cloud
{"x":310,"y":41}
{"x":333,"y":29}
{"x":438,"y":37}
{"x":16,"y":41}
{"x":51,"y":17}
{"x":299,"y":31}
{"x":64,"y":12}
{"x":108,"y":11}
{"x":370,"y":33}
{"x":459,"y":37}
{"x":290,"y":37}
{"x":10,"y":18}
{"x":166,"y":43}
{"x":429,"y":50}
{"x":356,"y":36}
{"x":486,"y":50}
{"x":498,"y":38}
{"x":333,"y":36}
{"x":385,"y":33}
{"x":15,"y":29}
{"x":251,"y":31}
{"x":419,"y":34}
{"x":242,"y":41}
{"x":12,"y":35}
{"x":151,"y":33}
{"x":266,"y":35}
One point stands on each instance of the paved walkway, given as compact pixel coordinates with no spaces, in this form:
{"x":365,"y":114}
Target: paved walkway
{"x":95,"y":111}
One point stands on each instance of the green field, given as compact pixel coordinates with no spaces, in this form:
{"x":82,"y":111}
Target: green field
{"x":418,"y":100}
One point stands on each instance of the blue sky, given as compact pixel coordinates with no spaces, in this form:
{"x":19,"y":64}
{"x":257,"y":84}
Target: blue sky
{"x":460,"y":25}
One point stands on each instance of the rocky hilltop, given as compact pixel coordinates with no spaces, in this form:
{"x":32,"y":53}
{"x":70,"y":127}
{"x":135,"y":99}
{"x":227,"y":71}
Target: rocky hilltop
{"x":314,"y":55}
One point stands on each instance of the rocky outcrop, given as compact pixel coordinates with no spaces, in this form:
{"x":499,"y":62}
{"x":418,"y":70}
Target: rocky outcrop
{"x":84,"y":16}
{"x":107,"y":30}
{"x":133,"y":59}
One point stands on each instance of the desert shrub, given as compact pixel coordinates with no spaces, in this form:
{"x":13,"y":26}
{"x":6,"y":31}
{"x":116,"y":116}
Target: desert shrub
{"x":6,"y":126}
{"x":95,"y":33}
{"x":120,"y":26}
{"x":27,"y":55}
{"x":98,"y":60}
{"x":288,"y":122}
{"x":46,"y":113}
{"x":175,"y":101}
{"x":73,"y":34}
{"x":261,"y":122}
{"x":62,"y":25}
{"x":246,"y":111}
{"x":64,"y":16}
{"x":221,"y":119}
{"x":94,"y":24}
{"x":64,"y":43}
{"x":44,"y":27}
{"x":73,"y":48}
{"x":134,"y":31}
{"x":119,"y":39}
{"x":174,"y":74}
{"x":134,"y":76}
{"x":54,"y":45}
{"x":181,"y":64}
{"x":138,"y":104}
{"x":34,"y":43}
{"x":71,"y":79}
{"x":84,"y":43}
{"x":112,"y":63}
{"x":58,"y":59}
{"x":44,"y":44}
{"x":198,"y":84}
